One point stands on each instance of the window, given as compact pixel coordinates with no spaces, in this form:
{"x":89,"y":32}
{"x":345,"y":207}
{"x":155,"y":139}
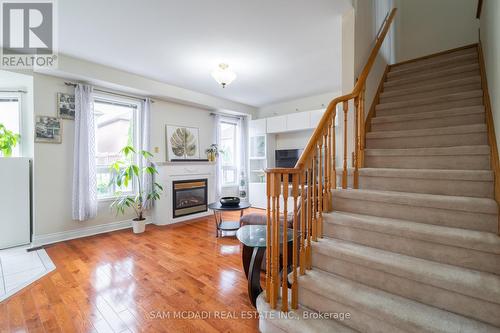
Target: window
{"x":115,"y":128}
{"x":10,"y":115}
{"x":229,"y":164}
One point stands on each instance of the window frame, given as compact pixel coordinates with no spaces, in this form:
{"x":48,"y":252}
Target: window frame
{"x":19,"y":97}
{"x":137,"y":109}
{"x":234,"y":166}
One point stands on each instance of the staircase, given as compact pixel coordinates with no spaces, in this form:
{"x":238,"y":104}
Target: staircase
{"x":415,"y":248}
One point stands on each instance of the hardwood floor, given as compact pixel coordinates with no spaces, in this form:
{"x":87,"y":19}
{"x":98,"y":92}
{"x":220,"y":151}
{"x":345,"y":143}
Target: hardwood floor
{"x":121,"y":282}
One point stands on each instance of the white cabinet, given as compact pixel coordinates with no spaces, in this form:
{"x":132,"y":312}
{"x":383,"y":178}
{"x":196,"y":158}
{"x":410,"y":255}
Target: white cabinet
{"x":257,"y":195}
{"x":297,"y":121}
{"x":276,"y":124}
{"x":257,"y":126}
{"x":15,"y":201}
{"x":315,"y":117}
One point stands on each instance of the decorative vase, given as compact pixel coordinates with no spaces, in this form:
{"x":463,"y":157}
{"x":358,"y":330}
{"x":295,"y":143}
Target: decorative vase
{"x":211,"y":157}
{"x":139,"y":225}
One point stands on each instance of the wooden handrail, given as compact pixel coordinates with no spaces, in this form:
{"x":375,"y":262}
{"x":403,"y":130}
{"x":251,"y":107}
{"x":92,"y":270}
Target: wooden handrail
{"x":360,"y":84}
{"x":312,"y":179}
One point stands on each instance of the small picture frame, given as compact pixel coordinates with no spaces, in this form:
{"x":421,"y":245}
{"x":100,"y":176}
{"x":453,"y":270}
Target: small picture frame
{"x":66,"y":106}
{"x":48,"y":129}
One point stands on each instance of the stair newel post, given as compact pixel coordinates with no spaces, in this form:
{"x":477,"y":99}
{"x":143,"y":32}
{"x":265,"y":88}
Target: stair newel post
{"x":314,"y":189}
{"x":295,"y":194}
{"x":356,"y":143}
{"x":303,"y":215}
{"x":334,"y":151}
{"x":268,"y":237}
{"x":284,"y":277}
{"x":309,"y":212}
{"x":320,"y":188}
{"x":344,"y":172}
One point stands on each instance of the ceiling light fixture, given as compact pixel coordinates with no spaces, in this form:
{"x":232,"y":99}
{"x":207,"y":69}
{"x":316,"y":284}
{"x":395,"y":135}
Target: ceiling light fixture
{"x":223,"y":75}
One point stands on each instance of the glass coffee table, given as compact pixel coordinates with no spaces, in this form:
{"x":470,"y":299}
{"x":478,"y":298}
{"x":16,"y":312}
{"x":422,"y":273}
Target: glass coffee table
{"x":220,"y":224}
{"x":253,"y":238}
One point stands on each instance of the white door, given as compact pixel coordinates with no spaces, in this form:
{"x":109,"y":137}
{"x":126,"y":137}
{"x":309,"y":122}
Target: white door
{"x":14,"y":201}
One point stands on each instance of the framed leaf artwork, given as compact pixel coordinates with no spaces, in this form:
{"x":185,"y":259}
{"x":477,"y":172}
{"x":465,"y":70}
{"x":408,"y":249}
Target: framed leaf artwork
{"x":182,"y":143}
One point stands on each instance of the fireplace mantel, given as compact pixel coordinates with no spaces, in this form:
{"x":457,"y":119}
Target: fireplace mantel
{"x":175,"y":171}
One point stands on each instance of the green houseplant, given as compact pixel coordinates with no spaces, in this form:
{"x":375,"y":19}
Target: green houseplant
{"x":126,"y":172}
{"x":8,"y":141}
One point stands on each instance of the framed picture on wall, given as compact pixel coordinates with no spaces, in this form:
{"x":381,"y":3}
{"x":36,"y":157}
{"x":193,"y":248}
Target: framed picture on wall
{"x":66,"y":106}
{"x":182,"y":143}
{"x":48,"y":129}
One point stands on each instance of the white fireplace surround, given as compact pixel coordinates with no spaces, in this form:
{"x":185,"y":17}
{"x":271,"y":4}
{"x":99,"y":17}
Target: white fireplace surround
{"x":173,"y":171}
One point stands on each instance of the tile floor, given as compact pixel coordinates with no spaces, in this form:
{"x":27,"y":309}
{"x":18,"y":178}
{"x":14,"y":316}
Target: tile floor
{"x":19,"y":268}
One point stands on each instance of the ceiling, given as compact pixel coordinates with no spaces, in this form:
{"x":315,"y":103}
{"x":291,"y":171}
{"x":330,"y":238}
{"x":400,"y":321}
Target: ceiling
{"x":280,"y":49}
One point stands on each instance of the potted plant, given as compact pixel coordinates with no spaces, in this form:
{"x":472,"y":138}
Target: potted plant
{"x":8,"y":141}
{"x":213,"y":152}
{"x":126,"y":172}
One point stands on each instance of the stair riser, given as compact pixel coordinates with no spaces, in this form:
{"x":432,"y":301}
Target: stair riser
{"x":359,"y":321}
{"x":469,"y":139}
{"x":431,"y":94}
{"x":466,"y":188}
{"x":436,"y":72}
{"x":452,"y":255}
{"x":423,"y":293}
{"x":437,"y":65}
{"x":406,"y":84}
{"x":443,"y":99}
{"x":436,"y":216}
{"x":429,"y":88}
{"x":431,"y":60}
{"x":463,"y":162}
{"x":468,"y":119}
{"x":430,"y":69}
{"x":476,"y":101}
{"x":433,"y":75}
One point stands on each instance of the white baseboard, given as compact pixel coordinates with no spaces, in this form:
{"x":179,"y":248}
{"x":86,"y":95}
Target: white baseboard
{"x":82,"y":232}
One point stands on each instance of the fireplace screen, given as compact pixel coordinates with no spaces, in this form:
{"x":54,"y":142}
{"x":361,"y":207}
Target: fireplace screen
{"x":190,"y":197}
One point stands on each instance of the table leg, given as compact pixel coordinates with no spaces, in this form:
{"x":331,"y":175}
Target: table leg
{"x":251,"y":265}
{"x":216,"y":224}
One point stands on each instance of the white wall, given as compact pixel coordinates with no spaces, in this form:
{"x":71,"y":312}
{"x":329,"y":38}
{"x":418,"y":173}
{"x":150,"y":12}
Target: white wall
{"x":313,"y":102}
{"x":431,"y":26}
{"x":490,"y":40}
{"x":54,"y":162}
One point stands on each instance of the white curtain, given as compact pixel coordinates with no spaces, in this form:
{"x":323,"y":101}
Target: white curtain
{"x":243,"y":154}
{"x":84,"y":198}
{"x":145,"y":144}
{"x":218,"y":167}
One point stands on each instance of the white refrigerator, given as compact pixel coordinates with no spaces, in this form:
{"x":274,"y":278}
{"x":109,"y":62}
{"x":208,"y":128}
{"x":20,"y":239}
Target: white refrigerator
{"x":15,"y":202}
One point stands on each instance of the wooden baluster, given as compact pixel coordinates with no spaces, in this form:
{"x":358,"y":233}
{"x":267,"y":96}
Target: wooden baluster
{"x":284,"y":283}
{"x":362,"y":143}
{"x":277,"y":235}
{"x":268,"y":238}
{"x":309,"y":214}
{"x":315,"y":198}
{"x":320,"y":190}
{"x":270,"y":250}
{"x":326,"y":196}
{"x":344,"y":174}
{"x":303,"y":216}
{"x":295,"y":286}
{"x":334,"y":151}
{"x":356,"y":143}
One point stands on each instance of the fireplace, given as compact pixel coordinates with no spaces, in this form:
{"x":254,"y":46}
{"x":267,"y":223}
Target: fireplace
{"x":189,"y":197}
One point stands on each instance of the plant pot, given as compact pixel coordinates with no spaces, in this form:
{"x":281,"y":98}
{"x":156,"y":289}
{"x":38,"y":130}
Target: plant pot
{"x":139,"y":225}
